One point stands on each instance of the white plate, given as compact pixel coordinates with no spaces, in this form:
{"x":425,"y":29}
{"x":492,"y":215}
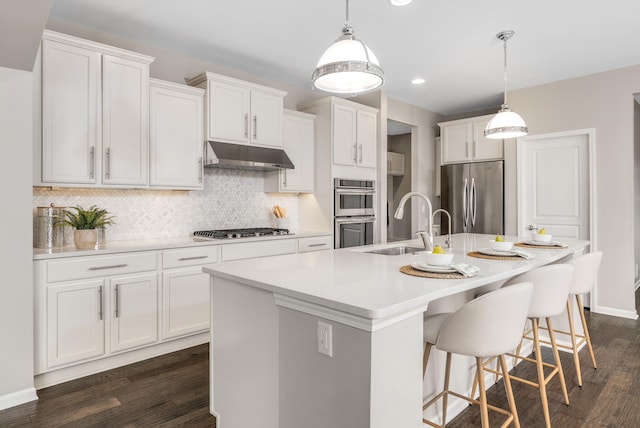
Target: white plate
{"x":490,"y":252}
{"x":430,"y":268}
{"x":543,"y":243}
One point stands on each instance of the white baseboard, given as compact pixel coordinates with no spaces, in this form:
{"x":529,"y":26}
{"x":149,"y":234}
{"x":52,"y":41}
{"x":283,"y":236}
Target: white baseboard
{"x":17,"y":398}
{"x":632,"y":315}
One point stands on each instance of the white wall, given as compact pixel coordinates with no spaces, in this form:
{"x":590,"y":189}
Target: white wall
{"x":604,"y":101}
{"x":16,"y":268}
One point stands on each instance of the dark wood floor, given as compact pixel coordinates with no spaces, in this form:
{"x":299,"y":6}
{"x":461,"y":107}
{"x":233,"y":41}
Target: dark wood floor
{"x":172,"y":391}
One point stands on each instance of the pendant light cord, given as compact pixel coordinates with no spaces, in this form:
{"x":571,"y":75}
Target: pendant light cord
{"x":505,"y":71}
{"x":346,"y":23}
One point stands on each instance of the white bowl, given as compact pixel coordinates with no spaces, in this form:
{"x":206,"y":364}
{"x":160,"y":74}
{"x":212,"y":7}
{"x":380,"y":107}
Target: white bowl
{"x":500,"y":245}
{"x":541,"y":238}
{"x":438,"y":259}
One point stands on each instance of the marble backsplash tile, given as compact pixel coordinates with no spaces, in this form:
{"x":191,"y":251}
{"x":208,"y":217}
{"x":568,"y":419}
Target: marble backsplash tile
{"x":230,"y":199}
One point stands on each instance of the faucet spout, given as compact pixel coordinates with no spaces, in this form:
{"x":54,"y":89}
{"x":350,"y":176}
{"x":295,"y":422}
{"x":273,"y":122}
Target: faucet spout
{"x":427,"y":236}
{"x":441,"y":210}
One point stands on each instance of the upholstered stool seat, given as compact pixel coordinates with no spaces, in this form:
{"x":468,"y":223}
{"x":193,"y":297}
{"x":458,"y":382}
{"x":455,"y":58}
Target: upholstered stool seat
{"x":487,"y":326}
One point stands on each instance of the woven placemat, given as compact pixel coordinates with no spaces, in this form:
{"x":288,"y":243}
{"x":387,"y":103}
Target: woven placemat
{"x":487,"y":256}
{"x":544,"y":247}
{"x":407,"y":269}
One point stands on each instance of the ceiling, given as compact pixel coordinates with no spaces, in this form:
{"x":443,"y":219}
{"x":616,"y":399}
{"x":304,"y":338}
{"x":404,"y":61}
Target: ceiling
{"x":450,"y":43}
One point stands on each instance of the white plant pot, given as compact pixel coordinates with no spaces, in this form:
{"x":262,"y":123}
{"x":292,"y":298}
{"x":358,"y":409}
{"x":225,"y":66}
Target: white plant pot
{"x":85,"y":239}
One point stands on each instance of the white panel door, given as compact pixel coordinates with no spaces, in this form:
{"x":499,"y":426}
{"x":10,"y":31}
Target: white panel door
{"x":228,"y":114}
{"x":366,"y":138}
{"x":344,"y":135}
{"x":266,"y":118}
{"x":185,"y":302}
{"x":554,"y":184}
{"x":134,"y":311}
{"x":125,"y":121}
{"x":75,"y":322}
{"x":70,"y":96}
{"x":455,"y":143}
{"x":299,"y":138}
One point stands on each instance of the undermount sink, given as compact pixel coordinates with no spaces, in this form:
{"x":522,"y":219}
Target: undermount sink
{"x":395,"y":251}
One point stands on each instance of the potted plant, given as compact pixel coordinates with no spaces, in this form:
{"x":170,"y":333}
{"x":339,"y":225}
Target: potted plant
{"x":85,"y":223}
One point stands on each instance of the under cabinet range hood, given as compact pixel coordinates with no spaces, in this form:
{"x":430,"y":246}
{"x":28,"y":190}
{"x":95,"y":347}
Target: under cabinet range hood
{"x":227,"y":155}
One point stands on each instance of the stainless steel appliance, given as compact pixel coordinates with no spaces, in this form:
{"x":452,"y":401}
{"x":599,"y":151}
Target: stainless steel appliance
{"x":354,"y":212}
{"x":473,"y":193}
{"x":49,"y":231}
{"x":227,"y":155}
{"x":240,"y":233}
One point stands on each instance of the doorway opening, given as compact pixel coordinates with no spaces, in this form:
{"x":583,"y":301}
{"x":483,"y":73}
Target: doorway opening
{"x":398,"y":179}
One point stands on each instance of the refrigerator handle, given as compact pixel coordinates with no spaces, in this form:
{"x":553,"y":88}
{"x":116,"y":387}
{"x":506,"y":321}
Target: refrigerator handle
{"x":465,"y":209}
{"x":473,"y":202}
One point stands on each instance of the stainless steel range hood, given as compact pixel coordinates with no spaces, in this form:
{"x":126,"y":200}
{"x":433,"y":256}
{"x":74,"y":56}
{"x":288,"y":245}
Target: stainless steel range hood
{"x":226,"y":155}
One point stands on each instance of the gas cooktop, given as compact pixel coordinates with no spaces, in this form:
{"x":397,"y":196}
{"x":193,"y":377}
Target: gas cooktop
{"x":240,"y":233}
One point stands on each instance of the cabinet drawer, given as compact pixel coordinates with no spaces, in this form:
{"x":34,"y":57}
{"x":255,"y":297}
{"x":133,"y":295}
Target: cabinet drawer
{"x":100,"y":266}
{"x":189,"y":257}
{"x":314,"y":244}
{"x":258,"y":249}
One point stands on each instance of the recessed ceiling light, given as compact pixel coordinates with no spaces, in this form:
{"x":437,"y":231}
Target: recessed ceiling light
{"x":418,"y":81}
{"x":400,"y":2}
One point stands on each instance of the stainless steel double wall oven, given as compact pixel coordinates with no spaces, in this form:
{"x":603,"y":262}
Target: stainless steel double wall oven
{"x":354,"y":212}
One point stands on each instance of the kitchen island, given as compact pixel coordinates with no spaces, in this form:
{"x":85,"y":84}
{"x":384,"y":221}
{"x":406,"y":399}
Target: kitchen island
{"x":266,"y":314}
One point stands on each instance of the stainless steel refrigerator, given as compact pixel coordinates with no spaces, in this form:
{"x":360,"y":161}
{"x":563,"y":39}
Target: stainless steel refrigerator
{"x":473,"y":193}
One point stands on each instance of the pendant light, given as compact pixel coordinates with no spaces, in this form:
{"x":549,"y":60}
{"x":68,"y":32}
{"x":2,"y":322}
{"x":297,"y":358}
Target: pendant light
{"x":507,"y":123}
{"x":348,"y":66}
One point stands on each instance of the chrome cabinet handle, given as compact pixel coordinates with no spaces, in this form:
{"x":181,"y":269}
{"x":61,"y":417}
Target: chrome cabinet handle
{"x":117,"y":311}
{"x":200,"y":167}
{"x":108,"y":267}
{"x":475,"y":148}
{"x":255,"y":126}
{"x":100,"y":303}
{"x":107,"y":166}
{"x":355,"y":152}
{"x":92,"y":162}
{"x":246,"y":124}
{"x":466,"y":149}
{"x":182,"y":259}
{"x":317,"y":245}
{"x":284,"y":178}
{"x":360,"y":147}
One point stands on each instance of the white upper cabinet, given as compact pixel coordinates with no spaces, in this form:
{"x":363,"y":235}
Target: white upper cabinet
{"x":95,"y":114}
{"x":241,"y":112}
{"x":354,"y":135}
{"x":298,"y":139}
{"x":176,"y":136}
{"x":395,"y":163}
{"x":463,"y":141}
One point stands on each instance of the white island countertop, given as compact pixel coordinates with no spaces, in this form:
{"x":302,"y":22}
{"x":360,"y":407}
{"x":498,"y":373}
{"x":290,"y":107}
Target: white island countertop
{"x":370,"y":285}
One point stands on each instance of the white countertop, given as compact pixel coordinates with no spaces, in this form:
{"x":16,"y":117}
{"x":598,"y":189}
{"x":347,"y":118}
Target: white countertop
{"x":371,"y":285}
{"x":158,"y":244}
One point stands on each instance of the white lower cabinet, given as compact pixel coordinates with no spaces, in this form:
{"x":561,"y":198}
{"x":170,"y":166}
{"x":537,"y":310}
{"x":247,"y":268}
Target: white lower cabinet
{"x":134,"y":311}
{"x":75,"y":322}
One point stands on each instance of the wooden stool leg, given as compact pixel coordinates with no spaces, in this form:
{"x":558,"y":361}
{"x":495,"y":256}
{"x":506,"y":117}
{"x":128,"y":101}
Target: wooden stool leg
{"x":484,"y":410}
{"x":586,"y":331}
{"x":572,"y":330}
{"x":507,"y":386}
{"x":445,"y":398}
{"x":556,"y":355}
{"x":425,"y":358}
{"x":541,"y":383}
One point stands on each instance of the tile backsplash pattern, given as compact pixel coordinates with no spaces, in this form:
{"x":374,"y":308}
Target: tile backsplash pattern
{"x":230,"y":199}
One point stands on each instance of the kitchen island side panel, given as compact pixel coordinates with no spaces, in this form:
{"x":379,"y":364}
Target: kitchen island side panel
{"x":243,"y":356}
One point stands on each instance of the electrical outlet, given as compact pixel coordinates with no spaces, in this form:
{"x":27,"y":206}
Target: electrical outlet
{"x":325,"y":339}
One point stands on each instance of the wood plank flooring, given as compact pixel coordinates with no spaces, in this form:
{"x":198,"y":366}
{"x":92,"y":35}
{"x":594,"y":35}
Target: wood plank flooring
{"x":173,"y":391}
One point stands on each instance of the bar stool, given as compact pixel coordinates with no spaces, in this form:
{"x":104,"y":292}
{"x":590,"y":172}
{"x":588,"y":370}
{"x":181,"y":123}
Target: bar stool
{"x":550,"y":291}
{"x":584,"y":274}
{"x":487,"y":326}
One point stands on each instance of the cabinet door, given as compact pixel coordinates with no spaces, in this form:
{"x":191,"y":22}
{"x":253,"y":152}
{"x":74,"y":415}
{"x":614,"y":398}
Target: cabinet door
{"x":134,"y":311}
{"x":485,"y":148}
{"x":395,"y":163}
{"x":299,"y":136}
{"x":70,"y":94}
{"x":366,"y":138}
{"x":176,"y":137}
{"x":456,"y":140}
{"x":344,"y":135}
{"x":125,"y":121}
{"x":266,"y":118}
{"x":185,"y":302}
{"x":75,"y":322}
{"x":228,"y":115}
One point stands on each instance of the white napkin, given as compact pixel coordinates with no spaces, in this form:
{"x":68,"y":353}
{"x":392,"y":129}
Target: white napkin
{"x":465,"y":269}
{"x":524,"y":254}
{"x":559,"y":244}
